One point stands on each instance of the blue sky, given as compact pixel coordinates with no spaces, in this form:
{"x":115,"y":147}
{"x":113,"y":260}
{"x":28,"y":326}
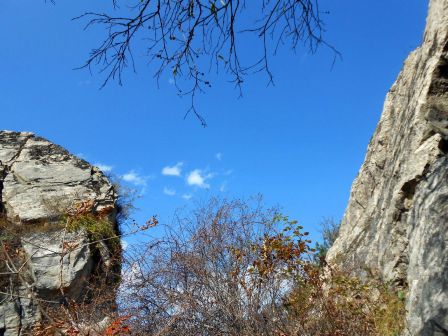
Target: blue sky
{"x":300,"y":143}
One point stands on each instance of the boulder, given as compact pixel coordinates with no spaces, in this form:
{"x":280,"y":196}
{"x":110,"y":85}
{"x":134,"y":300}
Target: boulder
{"x":40,"y":183}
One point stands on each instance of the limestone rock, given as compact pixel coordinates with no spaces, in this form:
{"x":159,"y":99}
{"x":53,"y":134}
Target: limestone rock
{"x":396,"y":223}
{"x":39,"y":181}
{"x":42,"y":178}
{"x":48,"y":271}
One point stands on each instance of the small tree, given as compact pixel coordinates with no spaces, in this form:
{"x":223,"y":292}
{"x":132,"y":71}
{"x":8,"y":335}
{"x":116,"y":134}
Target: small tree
{"x":329,"y":231}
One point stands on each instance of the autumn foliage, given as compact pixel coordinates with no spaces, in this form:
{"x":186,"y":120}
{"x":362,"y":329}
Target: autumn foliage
{"x":118,"y":327}
{"x":234,"y":268}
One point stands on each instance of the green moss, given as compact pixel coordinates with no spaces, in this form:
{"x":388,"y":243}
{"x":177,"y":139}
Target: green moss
{"x":97,"y":229}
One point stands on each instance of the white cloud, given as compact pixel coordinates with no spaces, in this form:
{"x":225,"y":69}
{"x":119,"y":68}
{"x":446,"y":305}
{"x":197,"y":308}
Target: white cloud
{"x":219,"y":156}
{"x":135,"y":178}
{"x":130,"y":278}
{"x":196,"y":178}
{"x":169,"y":192}
{"x":103,"y":167}
{"x":124,"y":244}
{"x":175,"y":170}
{"x":187,"y":196}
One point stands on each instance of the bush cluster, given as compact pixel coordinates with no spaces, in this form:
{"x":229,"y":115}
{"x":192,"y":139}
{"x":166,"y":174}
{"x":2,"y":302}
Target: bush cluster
{"x":233,"y":268}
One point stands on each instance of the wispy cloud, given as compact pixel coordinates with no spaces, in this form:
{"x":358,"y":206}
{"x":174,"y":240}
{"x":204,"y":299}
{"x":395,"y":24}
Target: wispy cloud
{"x":219,"y":156}
{"x":187,"y":196}
{"x":223,"y":186}
{"x":103,"y":167}
{"x":169,"y":192}
{"x":175,"y":170}
{"x":228,"y":172}
{"x":135,"y":178}
{"x":198,"y":179}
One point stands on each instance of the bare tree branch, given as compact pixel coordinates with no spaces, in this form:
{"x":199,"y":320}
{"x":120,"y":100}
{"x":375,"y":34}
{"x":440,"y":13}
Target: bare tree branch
{"x":185,"y":38}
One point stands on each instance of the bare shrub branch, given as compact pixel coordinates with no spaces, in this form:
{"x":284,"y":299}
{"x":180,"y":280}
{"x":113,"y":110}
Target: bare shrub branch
{"x":236,"y":268}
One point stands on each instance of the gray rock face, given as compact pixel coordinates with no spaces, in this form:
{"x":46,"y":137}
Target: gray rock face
{"x":39,"y":181}
{"x":48,"y":271}
{"x":396,"y":223}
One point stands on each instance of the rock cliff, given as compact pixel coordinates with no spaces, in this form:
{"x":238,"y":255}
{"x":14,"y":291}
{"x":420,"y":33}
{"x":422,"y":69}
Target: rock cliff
{"x":44,"y":264}
{"x":396,"y":223}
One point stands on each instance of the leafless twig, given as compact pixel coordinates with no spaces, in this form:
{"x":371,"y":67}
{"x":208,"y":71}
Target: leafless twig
{"x":184,"y":38}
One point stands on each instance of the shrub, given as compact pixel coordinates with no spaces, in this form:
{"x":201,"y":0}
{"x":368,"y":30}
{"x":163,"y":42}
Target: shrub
{"x":236,"y":268}
{"x":344,"y":305}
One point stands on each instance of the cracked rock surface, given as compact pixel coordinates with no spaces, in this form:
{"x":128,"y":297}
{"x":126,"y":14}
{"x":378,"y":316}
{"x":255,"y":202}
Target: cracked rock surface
{"x":396,"y":223}
{"x":38,"y":181}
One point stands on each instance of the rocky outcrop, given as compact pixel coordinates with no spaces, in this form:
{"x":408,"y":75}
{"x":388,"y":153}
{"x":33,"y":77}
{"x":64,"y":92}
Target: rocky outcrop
{"x":43,"y":263}
{"x":396,"y":223}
